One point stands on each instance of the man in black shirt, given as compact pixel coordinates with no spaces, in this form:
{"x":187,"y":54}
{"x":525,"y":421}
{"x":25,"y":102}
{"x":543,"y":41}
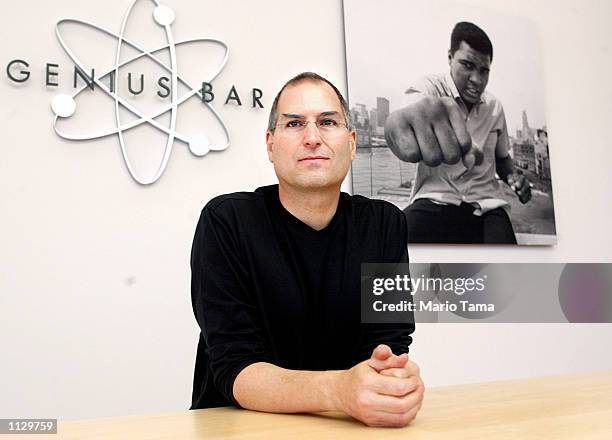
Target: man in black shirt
{"x":276,"y":279}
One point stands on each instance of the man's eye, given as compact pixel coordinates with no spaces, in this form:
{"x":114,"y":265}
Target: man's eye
{"x":467,"y":65}
{"x":294,"y":124}
{"x":328,"y":123}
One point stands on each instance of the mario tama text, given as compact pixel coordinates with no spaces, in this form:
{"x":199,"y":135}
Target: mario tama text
{"x":426,"y":294}
{"x":393,"y":295}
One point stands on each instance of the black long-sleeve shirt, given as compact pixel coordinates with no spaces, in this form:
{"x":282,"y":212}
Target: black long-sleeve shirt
{"x":268,"y":288}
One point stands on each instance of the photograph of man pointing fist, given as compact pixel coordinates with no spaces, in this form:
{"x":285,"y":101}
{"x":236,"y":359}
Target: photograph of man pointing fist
{"x":450,"y":120}
{"x":457,"y":133}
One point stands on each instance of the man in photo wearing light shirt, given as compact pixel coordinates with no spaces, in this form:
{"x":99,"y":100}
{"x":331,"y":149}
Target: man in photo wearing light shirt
{"x":456,"y":132}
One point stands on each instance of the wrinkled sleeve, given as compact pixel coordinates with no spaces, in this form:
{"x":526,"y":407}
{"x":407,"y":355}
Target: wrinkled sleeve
{"x":502,"y":148}
{"x":420,"y":88}
{"x":223,"y":303}
{"x":396,"y":335}
{"x":427,"y":86}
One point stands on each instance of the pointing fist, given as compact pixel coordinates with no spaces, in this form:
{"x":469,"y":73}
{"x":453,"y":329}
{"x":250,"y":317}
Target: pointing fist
{"x":431,"y":130}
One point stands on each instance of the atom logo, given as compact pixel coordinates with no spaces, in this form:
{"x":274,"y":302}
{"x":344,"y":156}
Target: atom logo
{"x":65,"y":105}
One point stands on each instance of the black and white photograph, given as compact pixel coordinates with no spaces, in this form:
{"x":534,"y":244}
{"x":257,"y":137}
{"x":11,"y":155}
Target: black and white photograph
{"x":448,"y":103}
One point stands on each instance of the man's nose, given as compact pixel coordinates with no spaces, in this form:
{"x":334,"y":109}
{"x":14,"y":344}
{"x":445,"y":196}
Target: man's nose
{"x":476,"y":78}
{"x":312,"y":137}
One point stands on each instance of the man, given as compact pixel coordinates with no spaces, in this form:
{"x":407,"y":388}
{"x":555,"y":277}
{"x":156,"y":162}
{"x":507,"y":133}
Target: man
{"x":276,"y":279}
{"x":457,"y":133}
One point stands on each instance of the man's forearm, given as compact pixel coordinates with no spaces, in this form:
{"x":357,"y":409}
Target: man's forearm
{"x":504,"y":167}
{"x":265,"y":387}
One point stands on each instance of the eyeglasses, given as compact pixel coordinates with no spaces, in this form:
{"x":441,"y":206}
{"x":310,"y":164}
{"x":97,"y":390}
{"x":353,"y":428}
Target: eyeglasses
{"x":328,"y":127}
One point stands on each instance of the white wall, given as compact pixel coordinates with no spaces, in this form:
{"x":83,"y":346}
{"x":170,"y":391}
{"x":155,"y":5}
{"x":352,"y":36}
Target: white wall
{"x":95,"y":313}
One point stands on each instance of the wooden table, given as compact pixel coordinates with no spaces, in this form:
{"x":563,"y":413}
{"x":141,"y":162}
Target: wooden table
{"x":561,"y":407}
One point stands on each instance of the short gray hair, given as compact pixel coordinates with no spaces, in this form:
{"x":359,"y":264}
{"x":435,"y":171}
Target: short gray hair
{"x":308,"y":76}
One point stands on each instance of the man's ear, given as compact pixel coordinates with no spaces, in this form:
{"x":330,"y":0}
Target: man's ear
{"x":353,"y":143}
{"x":270,"y":144}
{"x":450,"y":57}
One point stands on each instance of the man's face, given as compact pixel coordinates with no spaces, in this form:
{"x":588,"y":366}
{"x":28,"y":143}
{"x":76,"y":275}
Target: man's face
{"x":304,"y":159}
{"x":470,"y":72}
